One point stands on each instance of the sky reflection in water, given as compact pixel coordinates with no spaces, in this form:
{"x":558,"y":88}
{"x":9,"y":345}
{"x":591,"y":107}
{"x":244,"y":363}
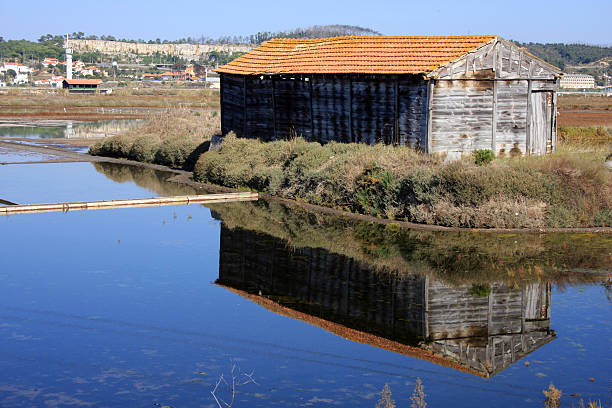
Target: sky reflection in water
{"x":120,"y":307}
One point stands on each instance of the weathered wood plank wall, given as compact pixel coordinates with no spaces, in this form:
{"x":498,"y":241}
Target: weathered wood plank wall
{"x":324,"y":108}
{"x":461,"y":115}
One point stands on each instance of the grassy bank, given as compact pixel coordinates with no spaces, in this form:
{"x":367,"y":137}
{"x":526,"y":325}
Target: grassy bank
{"x":175,"y":139}
{"x":570,"y":188}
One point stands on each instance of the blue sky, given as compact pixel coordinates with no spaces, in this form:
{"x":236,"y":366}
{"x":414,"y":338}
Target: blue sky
{"x":522,"y":20}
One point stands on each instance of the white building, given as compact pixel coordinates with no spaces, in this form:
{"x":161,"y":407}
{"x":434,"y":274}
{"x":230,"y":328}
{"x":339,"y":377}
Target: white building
{"x":577,"y":81}
{"x":23,"y":72}
{"x":50,"y":61}
{"x":55,"y":82}
{"x":2,"y":84}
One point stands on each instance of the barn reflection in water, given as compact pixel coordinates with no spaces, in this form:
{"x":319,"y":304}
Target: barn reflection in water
{"x":480,"y":329}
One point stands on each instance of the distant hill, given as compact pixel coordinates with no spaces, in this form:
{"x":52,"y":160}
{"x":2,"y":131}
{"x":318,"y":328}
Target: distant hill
{"x":317,"y":31}
{"x":562,"y":55}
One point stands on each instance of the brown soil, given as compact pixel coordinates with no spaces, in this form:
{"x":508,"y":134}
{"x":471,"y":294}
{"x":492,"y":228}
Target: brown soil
{"x":585,"y":118}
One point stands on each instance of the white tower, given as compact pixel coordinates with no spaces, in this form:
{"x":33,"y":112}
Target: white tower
{"x":68,"y":60}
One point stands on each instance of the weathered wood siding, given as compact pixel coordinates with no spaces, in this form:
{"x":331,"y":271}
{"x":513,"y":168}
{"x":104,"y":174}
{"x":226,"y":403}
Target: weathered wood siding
{"x":412,"y":117}
{"x":511,"y":126}
{"x":232,"y":103}
{"x":461,"y":115}
{"x":259,"y":112}
{"x":324,"y":108}
{"x":516,"y":126}
{"x":292,"y":108}
{"x":330,"y":99}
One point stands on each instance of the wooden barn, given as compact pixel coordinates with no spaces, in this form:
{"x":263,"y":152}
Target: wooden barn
{"x":435,"y":94}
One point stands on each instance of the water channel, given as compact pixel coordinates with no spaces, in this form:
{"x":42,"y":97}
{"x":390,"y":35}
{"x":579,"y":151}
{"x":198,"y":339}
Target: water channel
{"x":149,"y":307}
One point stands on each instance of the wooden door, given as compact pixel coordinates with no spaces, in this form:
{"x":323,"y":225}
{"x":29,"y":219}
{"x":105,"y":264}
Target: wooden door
{"x":540,"y":122}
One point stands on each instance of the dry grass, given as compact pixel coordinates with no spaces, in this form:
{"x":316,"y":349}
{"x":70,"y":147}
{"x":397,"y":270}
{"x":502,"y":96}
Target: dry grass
{"x":565,"y":189}
{"x":553,"y":397}
{"x":121,"y":97}
{"x":174,"y":138}
{"x":584,"y":102}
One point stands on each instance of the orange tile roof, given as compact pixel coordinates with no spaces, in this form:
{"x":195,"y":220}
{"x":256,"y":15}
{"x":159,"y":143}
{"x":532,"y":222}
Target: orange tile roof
{"x":354,"y":54}
{"x":83,"y":81}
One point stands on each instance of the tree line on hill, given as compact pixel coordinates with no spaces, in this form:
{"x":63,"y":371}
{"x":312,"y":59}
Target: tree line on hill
{"x":561,"y":55}
{"x":49,"y":45}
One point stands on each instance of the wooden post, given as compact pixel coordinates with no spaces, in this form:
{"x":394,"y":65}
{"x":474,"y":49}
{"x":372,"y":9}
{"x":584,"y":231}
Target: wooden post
{"x":430,"y":96}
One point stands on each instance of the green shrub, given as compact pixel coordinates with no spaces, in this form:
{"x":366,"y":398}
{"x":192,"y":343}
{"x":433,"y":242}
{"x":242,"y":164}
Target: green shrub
{"x":481,"y":291}
{"x":175,"y":152}
{"x":483,"y":156}
{"x":604,"y":218}
{"x":114,"y":146}
{"x":144,"y":148}
{"x":374,"y":194}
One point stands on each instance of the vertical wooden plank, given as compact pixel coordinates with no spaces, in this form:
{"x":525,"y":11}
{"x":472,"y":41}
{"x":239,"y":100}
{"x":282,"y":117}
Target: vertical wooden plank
{"x":554,"y":122}
{"x":312,"y":130}
{"x":273,"y":80}
{"x":425,"y":307}
{"x":350,"y":111}
{"x":244,"y":107}
{"x":523,"y":312}
{"x":490,"y":312}
{"x":495,"y":59}
{"x":528,"y":116}
{"x":493,"y":365}
{"x":430,"y":95}
{"x":494,"y":118}
{"x":396,"y":112}
{"x":222,"y":85}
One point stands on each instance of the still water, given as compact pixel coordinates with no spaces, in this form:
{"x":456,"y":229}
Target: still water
{"x":145,"y":307}
{"x":68,"y":129}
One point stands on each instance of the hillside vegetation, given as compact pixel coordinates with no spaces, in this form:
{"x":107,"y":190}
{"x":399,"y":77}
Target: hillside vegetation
{"x":561,"y":55}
